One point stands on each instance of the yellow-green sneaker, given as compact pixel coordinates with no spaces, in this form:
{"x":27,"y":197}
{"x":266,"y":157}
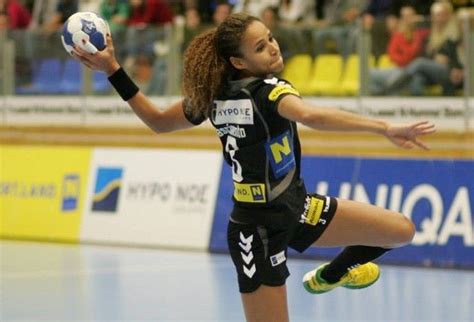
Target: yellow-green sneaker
{"x":359,"y":277}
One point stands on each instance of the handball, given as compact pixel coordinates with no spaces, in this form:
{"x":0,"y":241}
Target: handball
{"x":87,"y":31}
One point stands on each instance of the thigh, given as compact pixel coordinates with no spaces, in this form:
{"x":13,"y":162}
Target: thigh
{"x":357,"y":223}
{"x":259,"y":255}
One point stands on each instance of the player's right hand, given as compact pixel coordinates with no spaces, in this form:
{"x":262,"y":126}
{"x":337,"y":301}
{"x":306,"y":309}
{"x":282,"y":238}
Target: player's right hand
{"x":104,"y":60}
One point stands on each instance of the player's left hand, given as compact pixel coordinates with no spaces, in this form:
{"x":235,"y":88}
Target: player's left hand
{"x":407,"y":136}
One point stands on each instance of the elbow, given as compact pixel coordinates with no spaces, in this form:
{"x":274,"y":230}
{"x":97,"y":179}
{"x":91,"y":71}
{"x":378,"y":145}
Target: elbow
{"x":157,"y":124}
{"x":160,"y":128}
{"x":313,"y":120}
{"x":306,"y":119}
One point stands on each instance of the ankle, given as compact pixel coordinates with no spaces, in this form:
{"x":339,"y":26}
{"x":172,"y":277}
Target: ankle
{"x":329,"y":276}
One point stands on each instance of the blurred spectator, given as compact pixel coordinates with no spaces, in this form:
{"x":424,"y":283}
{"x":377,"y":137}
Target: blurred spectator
{"x":204,"y":7}
{"x":47,"y":20}
{"x":292,"y":11}
{"x":380,"y":11}
{"x":144,"y":32}
{"x":254,"y":7}
{"x":64,"y":9}
{"x":379,"y":21}
{"x":13,"y":15}
{"x":444,"y":27}
{"x":193,"y":26}
{"x":422,"y":7}
{"x":89,"y":5}
{"x":337,"y":30}
{"x":116,"y":12}
{"x":452,"y":54}
{"x":381,"y":18}
{"x":271,"y":20}
{"x":433,"y":68}
{"x":14,"y":19}
{"x":223,"y":10}
{"x":42,"y":12}
{"x":462,"y":4}
{"x":145,"y":12}
{"x":406,"y":43}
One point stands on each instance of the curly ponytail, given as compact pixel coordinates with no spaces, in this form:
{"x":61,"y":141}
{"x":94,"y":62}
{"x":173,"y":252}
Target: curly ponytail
{"x":207,"y":61}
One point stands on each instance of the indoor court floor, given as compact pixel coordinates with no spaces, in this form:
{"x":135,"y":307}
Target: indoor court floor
{"x":58,"y":282}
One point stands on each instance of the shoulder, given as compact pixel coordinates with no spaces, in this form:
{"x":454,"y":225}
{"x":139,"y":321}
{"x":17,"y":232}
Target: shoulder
{"x":273,"y":89}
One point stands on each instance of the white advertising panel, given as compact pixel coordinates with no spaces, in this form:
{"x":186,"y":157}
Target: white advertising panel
{"x":151,"y":197}
{"x":44,"y":110}
{"x":448,"y":113}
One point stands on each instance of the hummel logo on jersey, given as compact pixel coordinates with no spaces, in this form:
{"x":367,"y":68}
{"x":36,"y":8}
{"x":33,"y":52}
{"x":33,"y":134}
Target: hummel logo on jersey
{"x":247,"y":255}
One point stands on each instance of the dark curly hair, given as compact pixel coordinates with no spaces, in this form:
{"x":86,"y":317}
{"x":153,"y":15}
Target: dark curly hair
{"x":207,"y":61}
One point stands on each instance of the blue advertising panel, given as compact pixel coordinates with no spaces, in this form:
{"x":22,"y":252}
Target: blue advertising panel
{"x":436,"y":194}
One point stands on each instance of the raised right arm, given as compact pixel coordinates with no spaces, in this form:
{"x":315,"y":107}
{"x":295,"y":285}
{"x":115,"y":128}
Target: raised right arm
{"x":169,"y":119}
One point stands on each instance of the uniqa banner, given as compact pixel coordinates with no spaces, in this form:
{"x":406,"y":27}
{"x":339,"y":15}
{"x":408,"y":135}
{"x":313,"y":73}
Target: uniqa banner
{"x":436,"y":194}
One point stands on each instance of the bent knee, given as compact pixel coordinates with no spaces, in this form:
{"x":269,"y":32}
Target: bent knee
{"x":404,"y":232}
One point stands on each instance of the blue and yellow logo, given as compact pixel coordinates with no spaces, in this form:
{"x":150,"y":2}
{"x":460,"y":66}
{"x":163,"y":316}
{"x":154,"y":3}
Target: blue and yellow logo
{"x":107,"y":189}
{"x":280,"y":153}
{"x":71,"y":192}
{"x":249,"y":192}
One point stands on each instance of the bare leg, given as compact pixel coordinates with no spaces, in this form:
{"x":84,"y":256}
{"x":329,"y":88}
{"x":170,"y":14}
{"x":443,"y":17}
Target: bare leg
{"x":368,"y":232}
{"x":357,"y":223}
{"x":267,"y":303}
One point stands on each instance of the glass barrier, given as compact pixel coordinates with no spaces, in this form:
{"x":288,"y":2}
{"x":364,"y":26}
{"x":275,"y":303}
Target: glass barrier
{"x":332,"y":61}
{"x":35,"y":63}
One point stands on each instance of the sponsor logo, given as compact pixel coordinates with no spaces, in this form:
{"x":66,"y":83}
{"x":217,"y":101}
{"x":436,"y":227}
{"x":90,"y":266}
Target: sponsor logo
{"x":233,"y":112}
{"x":26,"y":190}
{"x":71,"y":191}
{"x":280,"y":152}
{"x":249,"y":192}
{"x":183,"y":197}
{"x":443,"y":220}
{"x":279,"y":90}
{"x":88,"y":26}
{"x":232,"y":130}
{"x":107,"y":189}
{"x":313,"y":208}
{"x":247,"y":255}
{"x":278,"y":258}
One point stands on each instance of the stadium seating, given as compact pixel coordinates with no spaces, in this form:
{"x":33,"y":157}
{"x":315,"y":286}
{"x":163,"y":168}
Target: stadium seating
{"x":71,"y":77}
{"x":71,"y":81}
{"x":46,"y":78}
{"x":53,"y":76}
{"x":326,"y":75}
{"x":101,"y":83}
{"x":384,"y":62}
{"x":350,"y":79}
{"x":297,"y":72}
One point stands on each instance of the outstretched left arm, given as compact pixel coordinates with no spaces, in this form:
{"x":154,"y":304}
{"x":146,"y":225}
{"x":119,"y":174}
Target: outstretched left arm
{"x":330,"y":119}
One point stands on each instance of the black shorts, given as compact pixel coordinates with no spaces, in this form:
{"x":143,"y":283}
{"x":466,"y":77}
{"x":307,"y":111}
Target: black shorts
{"x":259,"y":249}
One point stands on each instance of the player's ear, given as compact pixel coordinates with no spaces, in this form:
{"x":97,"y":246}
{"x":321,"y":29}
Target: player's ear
{"x":238,"y":63}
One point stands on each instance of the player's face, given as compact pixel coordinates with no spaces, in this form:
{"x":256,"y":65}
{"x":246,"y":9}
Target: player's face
{"x":261,"y":53}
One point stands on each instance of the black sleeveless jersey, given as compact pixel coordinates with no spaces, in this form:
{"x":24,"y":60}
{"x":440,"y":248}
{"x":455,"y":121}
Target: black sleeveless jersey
{"x":262,"y":147}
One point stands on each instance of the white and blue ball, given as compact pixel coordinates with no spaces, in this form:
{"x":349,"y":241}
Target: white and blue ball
{"x":87,"y":31}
